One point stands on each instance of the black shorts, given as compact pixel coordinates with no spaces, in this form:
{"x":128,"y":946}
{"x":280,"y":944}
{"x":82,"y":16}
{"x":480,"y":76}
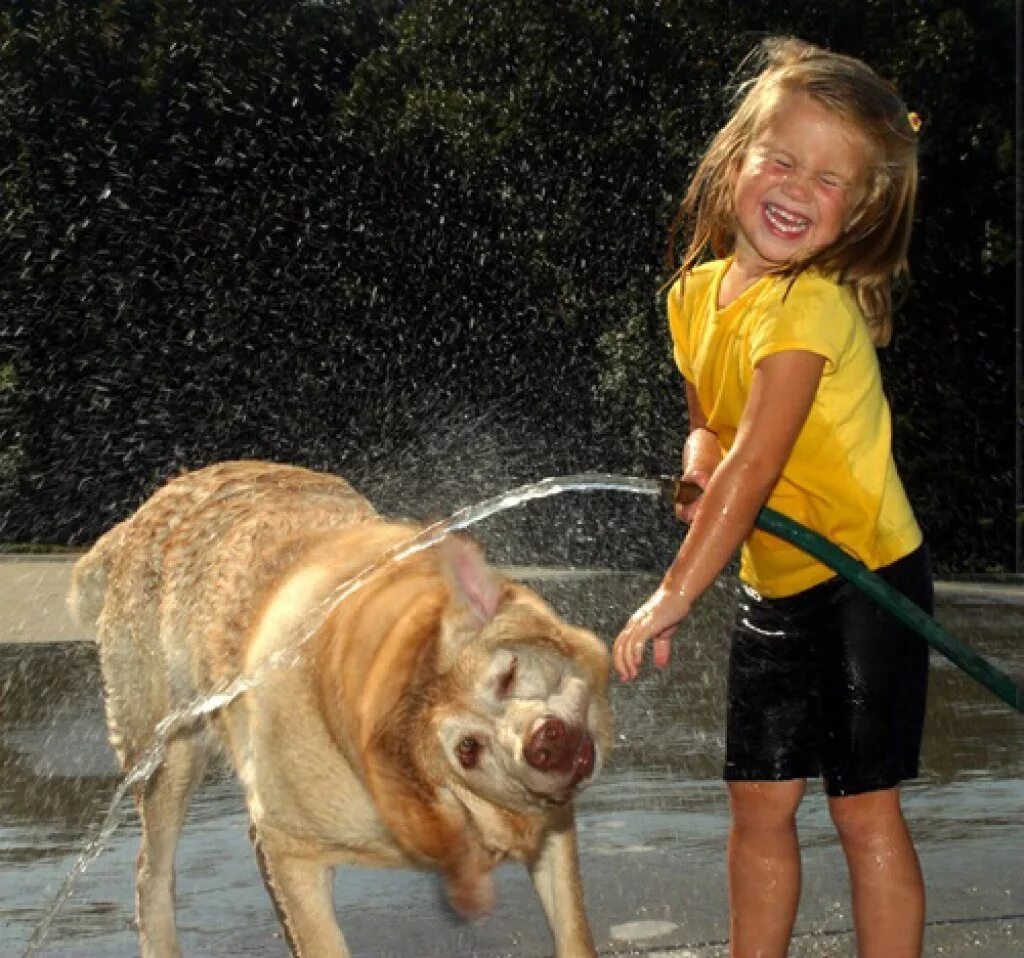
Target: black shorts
{"x":826,"y":682}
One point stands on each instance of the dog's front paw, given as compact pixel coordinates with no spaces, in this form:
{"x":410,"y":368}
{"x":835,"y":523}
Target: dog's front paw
{"x":470,"y":893}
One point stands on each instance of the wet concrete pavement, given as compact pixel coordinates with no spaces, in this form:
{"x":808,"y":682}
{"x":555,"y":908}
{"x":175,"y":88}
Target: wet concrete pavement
{"x":33,"y":592}
{"x":652,"y":829}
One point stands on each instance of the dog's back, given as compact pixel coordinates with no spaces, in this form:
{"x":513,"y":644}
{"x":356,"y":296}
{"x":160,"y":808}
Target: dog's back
{"x":192,"y":562}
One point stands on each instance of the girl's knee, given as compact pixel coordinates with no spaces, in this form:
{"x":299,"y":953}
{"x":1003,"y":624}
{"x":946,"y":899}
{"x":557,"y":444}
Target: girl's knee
{"x":867,"y":816}
{"x":765,"y":804}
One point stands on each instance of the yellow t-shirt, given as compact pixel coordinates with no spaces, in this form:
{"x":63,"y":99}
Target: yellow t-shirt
{"x":840,"y":479}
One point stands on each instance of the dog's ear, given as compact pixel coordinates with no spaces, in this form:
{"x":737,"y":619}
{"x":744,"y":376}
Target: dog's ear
{"x":473,"y":582}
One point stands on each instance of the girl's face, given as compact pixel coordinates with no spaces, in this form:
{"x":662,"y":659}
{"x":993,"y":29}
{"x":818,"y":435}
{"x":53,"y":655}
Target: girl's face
{"x":798,"y":185}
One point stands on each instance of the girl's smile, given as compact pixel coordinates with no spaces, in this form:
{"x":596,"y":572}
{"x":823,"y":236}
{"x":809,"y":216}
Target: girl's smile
{"x":797,"y":187}
{"x":785,"y":223}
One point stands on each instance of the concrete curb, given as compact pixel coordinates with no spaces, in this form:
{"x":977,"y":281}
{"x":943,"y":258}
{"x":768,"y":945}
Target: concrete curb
{"x":33,"y":589}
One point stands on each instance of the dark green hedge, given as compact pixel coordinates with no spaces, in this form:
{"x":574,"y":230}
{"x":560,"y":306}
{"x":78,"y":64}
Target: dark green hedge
{"x":420,"y":243}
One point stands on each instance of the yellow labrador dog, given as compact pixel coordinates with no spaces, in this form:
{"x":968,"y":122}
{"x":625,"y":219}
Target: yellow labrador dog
{"x":438,"y":716}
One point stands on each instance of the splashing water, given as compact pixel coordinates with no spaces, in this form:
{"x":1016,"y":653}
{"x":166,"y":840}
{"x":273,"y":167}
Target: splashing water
{"x":186,"y":716}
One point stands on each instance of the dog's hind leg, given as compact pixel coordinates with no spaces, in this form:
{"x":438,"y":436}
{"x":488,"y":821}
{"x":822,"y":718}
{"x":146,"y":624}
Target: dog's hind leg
{"x":300,"y":889}
{"x":136,"y":698}
{"x":162,"y":807}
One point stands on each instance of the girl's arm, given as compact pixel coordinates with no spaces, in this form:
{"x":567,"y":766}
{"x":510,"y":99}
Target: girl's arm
{"x":781,"y":394}
{"x":701,"y":452}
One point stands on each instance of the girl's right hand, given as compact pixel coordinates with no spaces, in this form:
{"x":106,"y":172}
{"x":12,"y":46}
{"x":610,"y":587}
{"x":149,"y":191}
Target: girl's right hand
{"x":657,"y":620}
{"x":687,"y":496}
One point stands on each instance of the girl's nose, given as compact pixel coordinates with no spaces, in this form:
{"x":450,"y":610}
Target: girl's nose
{"x":794,"y":184}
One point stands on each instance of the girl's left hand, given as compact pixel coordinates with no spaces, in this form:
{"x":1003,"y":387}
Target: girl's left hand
{"x":656,"y":619}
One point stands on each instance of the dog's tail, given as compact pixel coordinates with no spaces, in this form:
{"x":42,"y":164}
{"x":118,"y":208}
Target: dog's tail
{"x":89,"y":579}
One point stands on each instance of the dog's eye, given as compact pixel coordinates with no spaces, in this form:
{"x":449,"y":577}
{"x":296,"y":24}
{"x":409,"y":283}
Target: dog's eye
{"x":507,"y":682}
{"x":468,"y":751}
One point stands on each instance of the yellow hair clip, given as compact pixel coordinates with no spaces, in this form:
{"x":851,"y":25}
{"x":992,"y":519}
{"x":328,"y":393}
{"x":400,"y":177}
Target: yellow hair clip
{"x":914,"y":119}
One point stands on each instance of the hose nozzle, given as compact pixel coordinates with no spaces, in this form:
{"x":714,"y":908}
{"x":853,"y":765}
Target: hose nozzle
{"x":678,"y":490}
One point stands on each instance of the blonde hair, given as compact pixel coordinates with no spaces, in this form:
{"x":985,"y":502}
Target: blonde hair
{"x":871,"y":255}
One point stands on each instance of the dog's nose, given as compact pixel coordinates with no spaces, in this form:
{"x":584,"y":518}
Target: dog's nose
{"x":552,"y":746}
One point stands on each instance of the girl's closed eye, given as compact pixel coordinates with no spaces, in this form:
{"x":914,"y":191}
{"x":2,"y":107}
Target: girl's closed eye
{"x":780,"y":161}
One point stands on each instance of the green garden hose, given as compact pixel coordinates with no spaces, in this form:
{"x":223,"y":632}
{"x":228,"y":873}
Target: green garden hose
{"x":894,"y":602}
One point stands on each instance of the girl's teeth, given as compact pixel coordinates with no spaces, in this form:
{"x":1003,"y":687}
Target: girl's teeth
{"x":785,"y":221}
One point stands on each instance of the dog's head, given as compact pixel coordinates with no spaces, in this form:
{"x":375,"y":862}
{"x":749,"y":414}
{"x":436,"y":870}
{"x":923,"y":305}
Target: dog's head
{"x":522,"y":717}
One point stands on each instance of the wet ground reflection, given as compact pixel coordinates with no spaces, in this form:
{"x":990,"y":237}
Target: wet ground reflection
{"x":653,"y":828}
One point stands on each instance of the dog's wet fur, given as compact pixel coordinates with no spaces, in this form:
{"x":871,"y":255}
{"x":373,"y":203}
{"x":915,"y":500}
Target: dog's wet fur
{"x":439,"y":716}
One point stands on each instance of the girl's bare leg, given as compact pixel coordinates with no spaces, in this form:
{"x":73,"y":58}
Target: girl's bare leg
{"x":885,"y":875}
{"x":764,"y":867}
